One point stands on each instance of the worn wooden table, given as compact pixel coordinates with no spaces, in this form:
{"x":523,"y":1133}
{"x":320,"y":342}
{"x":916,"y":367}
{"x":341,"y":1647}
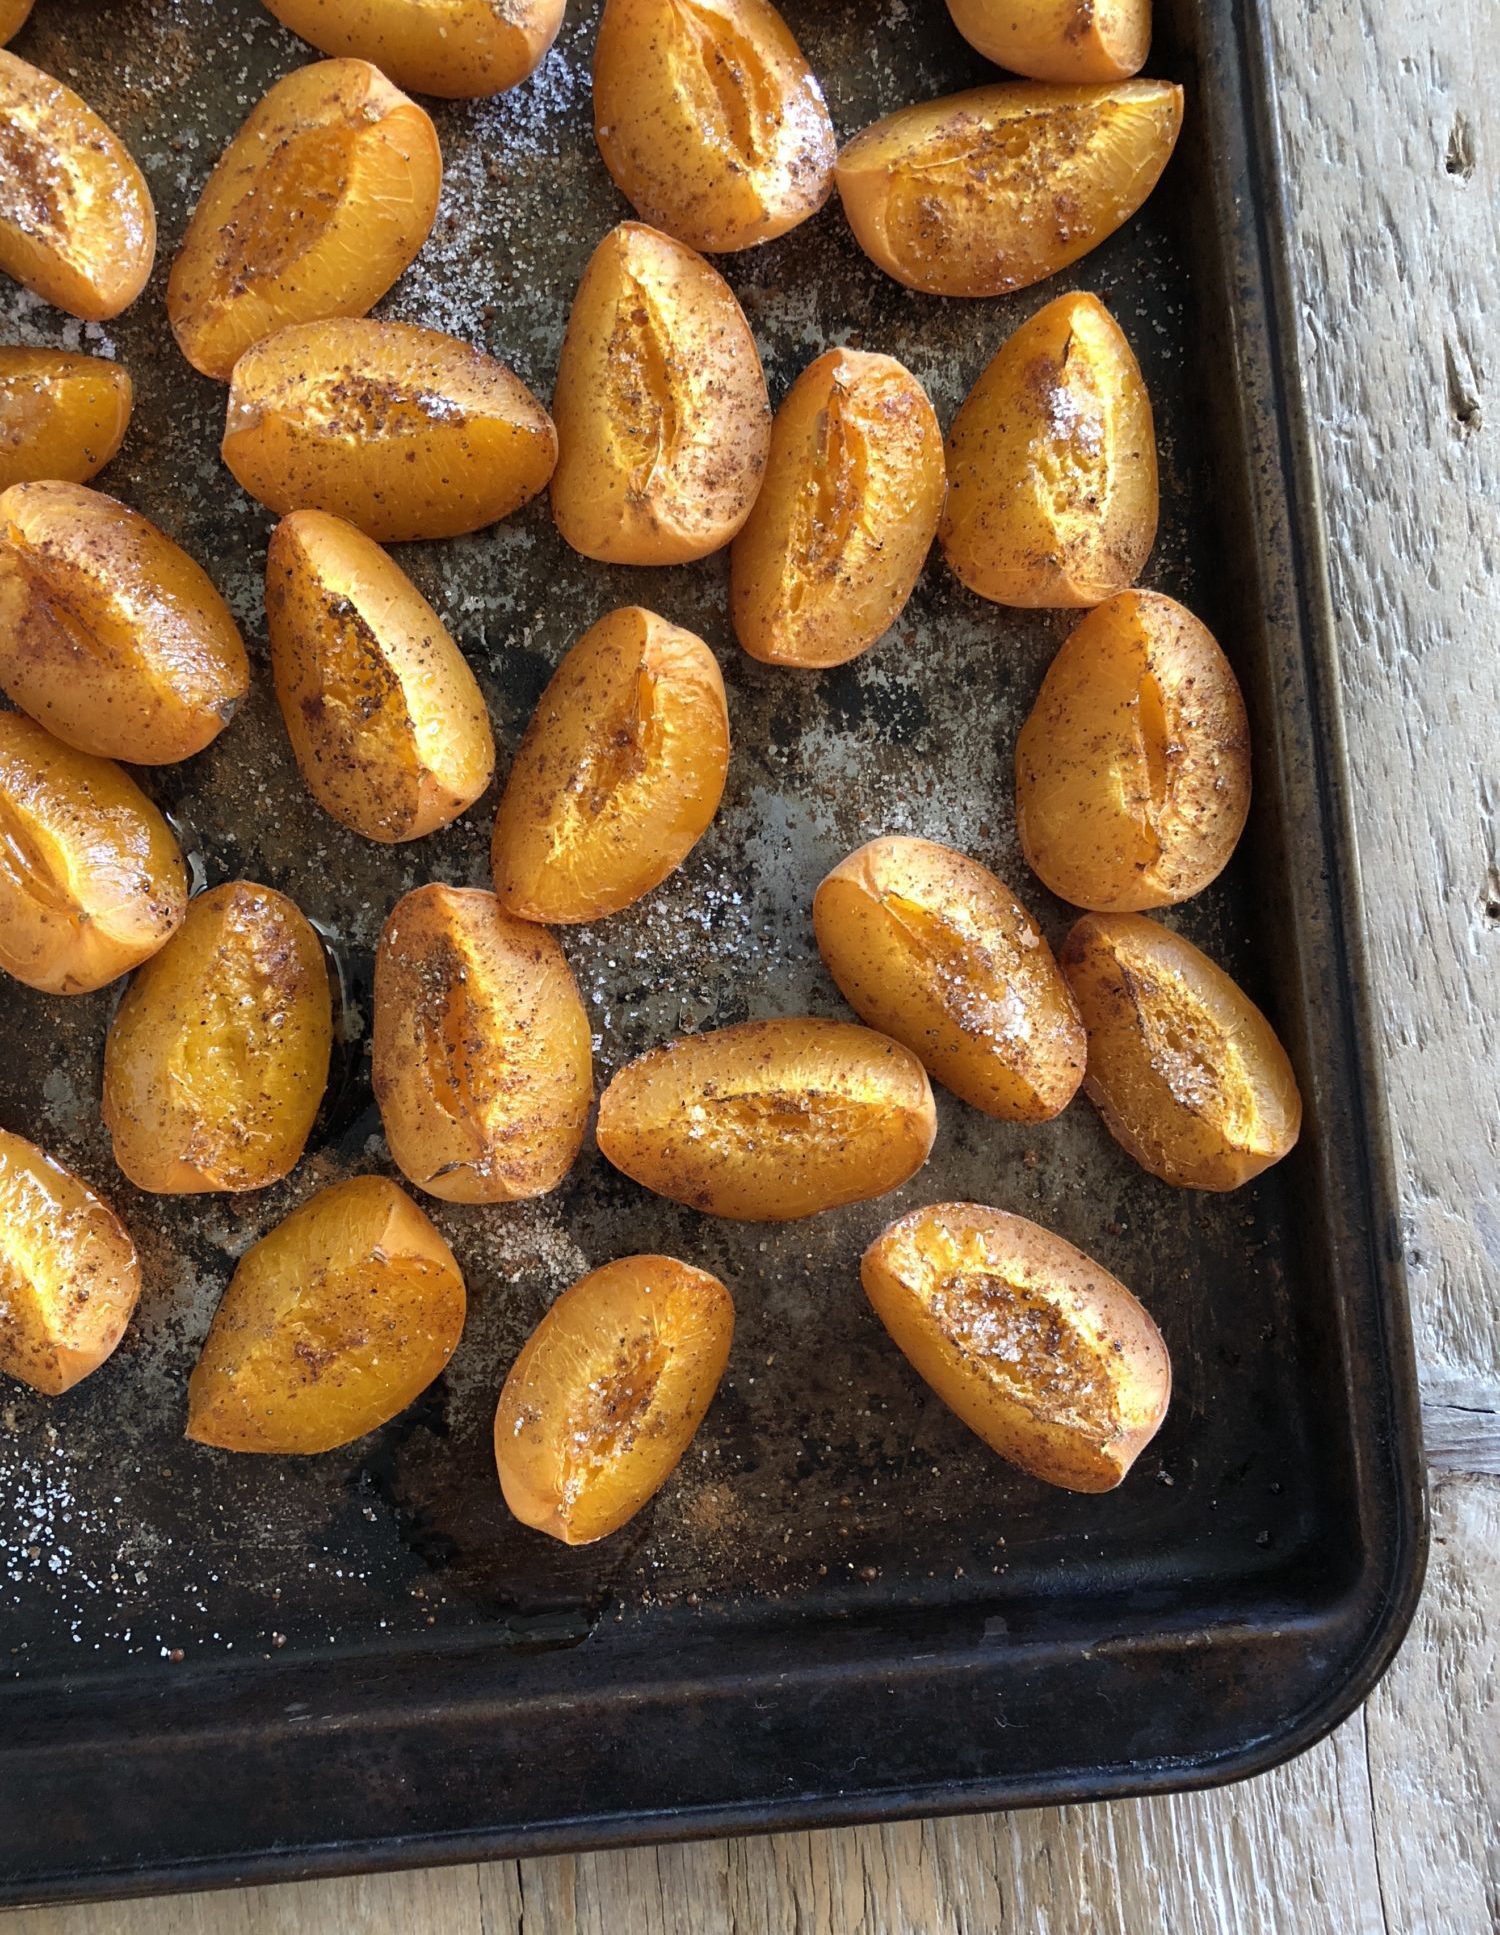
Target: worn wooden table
{"x":1394,"y":147}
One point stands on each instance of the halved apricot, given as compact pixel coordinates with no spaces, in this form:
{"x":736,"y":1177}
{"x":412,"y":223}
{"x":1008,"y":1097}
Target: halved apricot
{"x":1040,"y":1351}
{"x":710,"y":120}
{"x":1186,"y":1071}
{"x":13,"y":14}
{"x":992,"y":190}
{"x":61,"y":415}
{"x":69,"y":1275}
{"x":455,"y":48}
{"x":317,"y":205}
{"x":405,"y":432}
{"x":931,"y":949}
{"x":217,"y":1057}
{"x":1052,"y":482}
{"x":663,"y":422}
{"x":110,"y":635}
{"x":619,"y":775}
{"x":770,"y":1120}
{"x":1059,"y":40}
{"x":386,"y":719}
{"x":76,"y":222}
{"x":1133,"y":768}
{"x":91,"y":881}
{"x":846,"y":516}
{"x":482,"y":1054}
{"x":332,"y":1323}
{"x":607,"y":1394}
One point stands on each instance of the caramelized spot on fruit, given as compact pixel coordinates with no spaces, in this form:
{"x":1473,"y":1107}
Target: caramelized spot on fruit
{"x":285,"y":208}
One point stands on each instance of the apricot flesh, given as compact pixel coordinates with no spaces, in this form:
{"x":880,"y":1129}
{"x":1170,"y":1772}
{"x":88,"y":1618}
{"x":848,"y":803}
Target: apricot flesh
{"x":217,"y":1057}
{"x":619,"y":775}
{"x":61,"y":415}
{"x":992,"y":190}
{"x":91,"y":879}
{"x":454,"y":48}
{"x":332,"y":1324}
{"x":385,"y":717}
{"x":607,"y":1394}
{"x":314,"y":209}
{"x":931,"y":949}
{"x":111,"y":636}
{"x":769,"y":1121}
{"x":69,"y":1275}
{"x":1185,"y":1070}
{"x":404,"y":432}
{"x":482,"y":1056}
{"x":1053,"y":497}
{"x":1133,"y":767}
{"x":1042,"y":1353}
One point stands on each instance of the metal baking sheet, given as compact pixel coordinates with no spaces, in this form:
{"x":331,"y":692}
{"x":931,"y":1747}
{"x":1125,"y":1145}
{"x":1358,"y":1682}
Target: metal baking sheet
{"x":842,"y":1607}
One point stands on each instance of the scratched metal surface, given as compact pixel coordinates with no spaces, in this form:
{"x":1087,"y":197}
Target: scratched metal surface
{"x":826,"y":1477}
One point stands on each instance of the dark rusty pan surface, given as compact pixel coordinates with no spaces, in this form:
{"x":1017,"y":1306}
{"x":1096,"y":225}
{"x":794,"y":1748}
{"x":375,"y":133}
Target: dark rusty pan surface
{"x":842,"y":1606}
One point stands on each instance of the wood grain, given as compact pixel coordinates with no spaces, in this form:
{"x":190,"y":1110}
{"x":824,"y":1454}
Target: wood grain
{"x":1392,"y":142}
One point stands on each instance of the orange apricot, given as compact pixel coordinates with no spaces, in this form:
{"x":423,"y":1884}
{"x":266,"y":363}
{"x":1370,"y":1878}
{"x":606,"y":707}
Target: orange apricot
{"x":454,"y":48}
{"x":61,"y":415}
{"x":1059,"y":40}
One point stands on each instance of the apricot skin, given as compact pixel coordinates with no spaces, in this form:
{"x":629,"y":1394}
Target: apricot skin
{"x":482,"y":1055}
{"x":619,"y":775}
{"x":930,"y":948}
{"x":13,"y":16}
{"x":459,"y":49}
{"x":1133,"y":768}
{"x":217,"y":1057}
{"x":770,"y":1120}
{"x":91,"y":880}
{"x":1040,"y":1351}
{"x":314,"y":209}
{"x":1059,"y":40}
{"x":1186,"y":1071}
{"x":663,"y":422}
{"x":1053,"y":497}
{"x":607,"y":1394}
{"x":386,"y":720}
{"x":61,"y":415}
{"x":404,"y":432}
{"x":69,"y":1275}
{"x":984,"y":192}
{"x":77,"y":226}
{"x":846,"y":515}
{"x":332,"y":1324}
{"x":710,"y":120}
{"x":110,"y":635}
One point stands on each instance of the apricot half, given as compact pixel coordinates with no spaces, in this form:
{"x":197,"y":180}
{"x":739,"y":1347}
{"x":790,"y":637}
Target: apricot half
{"x":316,"y":206}
{"x":1052,"y":483}
{"x":61,"y":415}
{"x":710,"y":120}
{"x":332,"y":1323}
{"x":217,"y":1057}
{"x":482,"y":1055}
{"x":1040,"y":1351}
{"x":992,"y":190}
{"x":405,"y":432}
{"x":69,"y":1275}
{"x":1186,"y":1071}
{"x":1059,"y":40}
{"x":1133,"y":768}
{"x":13,"y":15}
{"x":386,"y":719}
{"x":454,"y":48}
{"x":91,"y":881}
{"x":76,"y":222}
{"x":931,"y":949}
{"x":619,"y":775}
{"x":607,"y":1394}
{"x":663,"y":422}
{"x":110,"y":635}
{"x":846,"y":516}
{"x":770,"y":1120}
